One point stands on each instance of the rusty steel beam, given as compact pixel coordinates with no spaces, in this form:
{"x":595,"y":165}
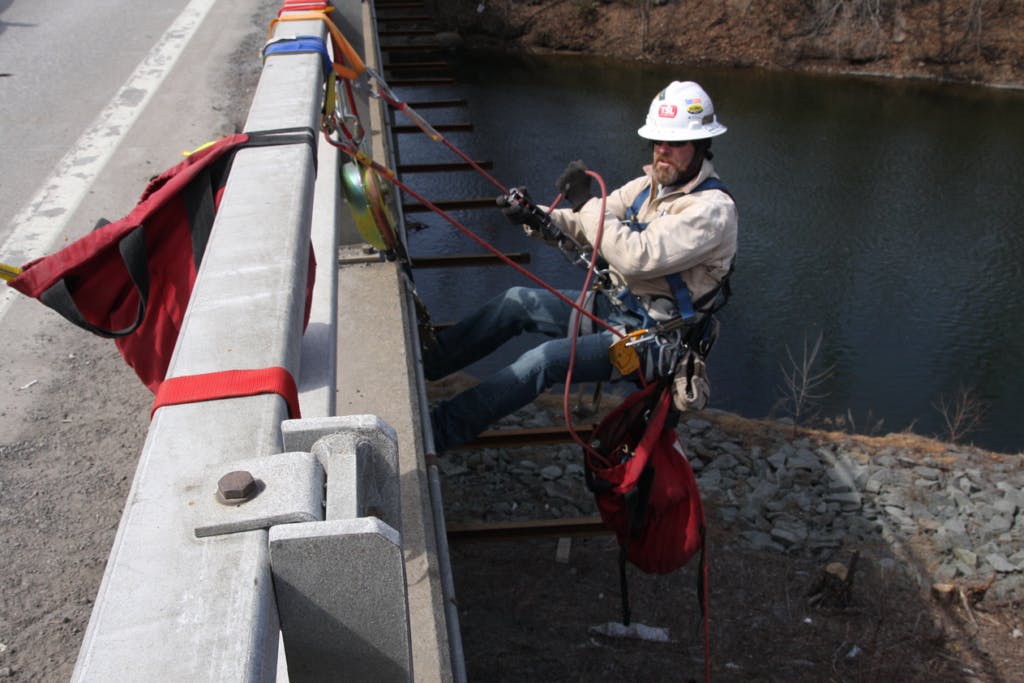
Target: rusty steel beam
{"x":405,"y":32}
{"x":452,"y":204}
{"x":468,"y":260}
{"x":442,"y":167}
{"x":420,"y":82}
{"x":422,"y":47}
{"x":417,"y":66}
{"x":398,"y":18}
{"x":532,"y":436}
{"x":445,"y":127}
{"x":438,"y":104}
{"x":534,"y":528}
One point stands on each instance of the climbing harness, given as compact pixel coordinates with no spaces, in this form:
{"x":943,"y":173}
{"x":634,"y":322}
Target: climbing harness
{"x":678,"y":346}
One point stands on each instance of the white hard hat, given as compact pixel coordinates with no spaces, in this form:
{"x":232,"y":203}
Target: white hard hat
{"x":682,"y":111}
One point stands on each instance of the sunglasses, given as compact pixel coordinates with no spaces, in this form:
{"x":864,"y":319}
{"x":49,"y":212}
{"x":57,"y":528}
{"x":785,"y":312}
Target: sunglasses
{"x":671,"y":143}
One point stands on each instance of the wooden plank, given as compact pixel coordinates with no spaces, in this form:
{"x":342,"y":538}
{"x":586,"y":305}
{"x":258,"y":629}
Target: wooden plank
{"x":536,"y":528}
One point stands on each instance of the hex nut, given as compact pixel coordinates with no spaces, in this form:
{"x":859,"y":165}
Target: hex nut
{"x":237,"y":487}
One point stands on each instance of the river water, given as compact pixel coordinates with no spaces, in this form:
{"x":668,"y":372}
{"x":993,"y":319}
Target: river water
{"x":885,"y":216}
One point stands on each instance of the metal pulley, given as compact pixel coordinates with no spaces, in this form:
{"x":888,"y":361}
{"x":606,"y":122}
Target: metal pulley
{"x":366,"y":200}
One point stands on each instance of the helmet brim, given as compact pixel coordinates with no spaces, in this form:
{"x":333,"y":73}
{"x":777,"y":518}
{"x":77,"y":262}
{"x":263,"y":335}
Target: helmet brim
{"x":710,"y":130}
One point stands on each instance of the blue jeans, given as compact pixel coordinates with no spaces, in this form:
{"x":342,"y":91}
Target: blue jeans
{"x":519,"y":309}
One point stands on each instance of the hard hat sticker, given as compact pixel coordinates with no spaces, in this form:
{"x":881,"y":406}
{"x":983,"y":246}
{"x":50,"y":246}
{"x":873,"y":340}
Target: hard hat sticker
{"x":667,"y":111}
{"x":694,"y":105}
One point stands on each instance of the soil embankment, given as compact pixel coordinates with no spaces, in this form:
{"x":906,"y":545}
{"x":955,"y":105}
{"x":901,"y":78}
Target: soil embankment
{"x":947,"y":40}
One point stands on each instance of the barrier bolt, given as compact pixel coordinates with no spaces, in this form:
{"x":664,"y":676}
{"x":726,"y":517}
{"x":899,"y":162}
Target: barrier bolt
{"x":237,"y":487}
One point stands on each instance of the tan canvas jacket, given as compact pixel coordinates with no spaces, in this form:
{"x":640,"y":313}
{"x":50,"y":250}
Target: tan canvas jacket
{"x":694,"y":235}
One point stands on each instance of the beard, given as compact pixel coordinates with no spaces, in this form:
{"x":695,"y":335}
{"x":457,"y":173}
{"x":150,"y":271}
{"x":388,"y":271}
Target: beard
{"x":666,"y":175}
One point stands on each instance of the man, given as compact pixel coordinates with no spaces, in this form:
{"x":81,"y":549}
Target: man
{"x":679,"y":245}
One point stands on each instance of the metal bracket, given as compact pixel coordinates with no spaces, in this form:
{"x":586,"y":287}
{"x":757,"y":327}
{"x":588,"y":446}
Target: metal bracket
{"x":289,"y":488}
{"x":359,"y":454}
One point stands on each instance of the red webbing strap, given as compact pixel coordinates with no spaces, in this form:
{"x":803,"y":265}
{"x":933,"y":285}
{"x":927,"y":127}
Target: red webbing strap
{"x":229,"y":384}
{"x":301,"y":6}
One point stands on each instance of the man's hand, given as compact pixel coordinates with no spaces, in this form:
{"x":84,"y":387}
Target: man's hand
{"x":517,"y":207}
{"x":574,"y":184}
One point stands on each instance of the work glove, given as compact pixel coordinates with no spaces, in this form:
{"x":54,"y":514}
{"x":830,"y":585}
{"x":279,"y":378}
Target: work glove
{"x":520,"y":212}
{"x":574,"y":184}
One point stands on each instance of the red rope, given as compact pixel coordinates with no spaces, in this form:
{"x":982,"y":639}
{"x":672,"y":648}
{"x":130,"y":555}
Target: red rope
{"x":387,"y":173}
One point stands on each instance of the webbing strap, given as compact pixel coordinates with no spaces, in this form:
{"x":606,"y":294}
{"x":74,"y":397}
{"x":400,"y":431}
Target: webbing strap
{"x":302,"y":5}
{"x":342,"y":48}
{"x":299,"y":45}
{"x":211,"y":386}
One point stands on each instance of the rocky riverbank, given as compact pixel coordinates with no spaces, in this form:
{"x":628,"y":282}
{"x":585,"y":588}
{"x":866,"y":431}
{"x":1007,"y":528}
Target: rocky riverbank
{"x":928,"y":535}
{"x":946,"y":513}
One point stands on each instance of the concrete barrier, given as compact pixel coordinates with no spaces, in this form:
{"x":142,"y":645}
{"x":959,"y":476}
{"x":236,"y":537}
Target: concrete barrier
{"x":188,"y":592}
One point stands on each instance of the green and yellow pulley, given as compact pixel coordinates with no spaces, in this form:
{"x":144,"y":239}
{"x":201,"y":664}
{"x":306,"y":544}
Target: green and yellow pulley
{"x":369,"y":208}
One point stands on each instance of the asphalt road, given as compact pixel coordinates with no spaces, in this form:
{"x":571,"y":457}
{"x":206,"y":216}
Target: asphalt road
{"x":96,"y":97}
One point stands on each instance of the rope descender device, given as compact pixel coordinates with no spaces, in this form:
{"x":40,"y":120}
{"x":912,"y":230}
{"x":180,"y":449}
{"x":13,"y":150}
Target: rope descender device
{"x":622,"y":353}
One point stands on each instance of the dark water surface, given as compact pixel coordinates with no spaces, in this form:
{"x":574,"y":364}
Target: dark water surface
{"x":886,"y":216}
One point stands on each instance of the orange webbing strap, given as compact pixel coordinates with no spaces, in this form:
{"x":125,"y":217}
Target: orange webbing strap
{"x":342,"y":48}
{"x":229,"y":384}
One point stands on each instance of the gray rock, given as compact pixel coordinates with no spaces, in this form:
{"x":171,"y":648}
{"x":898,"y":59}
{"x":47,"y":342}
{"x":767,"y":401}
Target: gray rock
{"x":758,"y":540}
{"x":999,"y":562}
{"x":697,"y":426}
{"x":804,"y":459}
{"x":946,"y":572}
{"x":848,"y":501}
{"x":710,"y":479}
{"x":551,"y":472}
{"x":1005,"y":506}
{"x":899,"y":517}
{"x":778,"y":459}
{"x":997,"y":525}
{"x":929,"y":473}
{"x":787,"y":537}
{"x":723,"y":462}
{"x":966,"y":557}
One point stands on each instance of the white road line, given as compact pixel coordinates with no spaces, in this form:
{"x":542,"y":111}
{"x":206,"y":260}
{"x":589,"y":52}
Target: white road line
{"x":41,"y":222}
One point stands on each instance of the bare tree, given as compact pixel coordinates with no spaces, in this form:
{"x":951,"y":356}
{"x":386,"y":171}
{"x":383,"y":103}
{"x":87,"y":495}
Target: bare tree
{"x":962,"y":413}
{"x":803,"y":380}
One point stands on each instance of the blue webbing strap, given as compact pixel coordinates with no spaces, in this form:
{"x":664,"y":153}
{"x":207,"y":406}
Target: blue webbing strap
{"x":298,"y":45}
{"x":684,"y":300}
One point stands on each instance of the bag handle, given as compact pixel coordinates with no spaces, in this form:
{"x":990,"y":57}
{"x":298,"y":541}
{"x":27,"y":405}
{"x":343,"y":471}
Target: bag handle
{"x":133,"y":253}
